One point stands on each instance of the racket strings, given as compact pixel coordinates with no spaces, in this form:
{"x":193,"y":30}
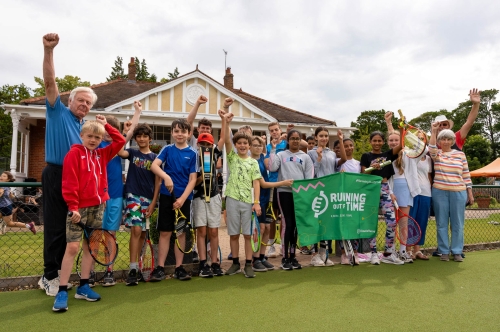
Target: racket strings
{"x":146,"y":261}
{"x":102,"y":247}
{"x":413,"y":145}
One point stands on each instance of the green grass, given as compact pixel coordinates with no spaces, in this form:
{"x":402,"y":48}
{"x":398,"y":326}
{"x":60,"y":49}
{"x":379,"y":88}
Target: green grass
{"x":424,"y":296}
{"x":22,"y":252}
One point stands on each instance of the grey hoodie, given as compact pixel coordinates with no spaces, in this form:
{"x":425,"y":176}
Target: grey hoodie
{"x":328,"y":163}
{"x":296,"y":166}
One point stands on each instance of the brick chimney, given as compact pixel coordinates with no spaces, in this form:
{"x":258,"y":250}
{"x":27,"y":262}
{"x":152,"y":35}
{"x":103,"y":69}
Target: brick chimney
{"x":228,"y":79}
{"x":131,"y":70}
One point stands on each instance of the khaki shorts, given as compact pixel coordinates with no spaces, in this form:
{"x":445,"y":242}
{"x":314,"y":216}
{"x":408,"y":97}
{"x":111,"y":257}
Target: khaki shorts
{"x":91,"y":217}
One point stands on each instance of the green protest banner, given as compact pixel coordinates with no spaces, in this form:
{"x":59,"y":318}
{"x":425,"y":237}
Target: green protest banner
{"x":335,"y":207}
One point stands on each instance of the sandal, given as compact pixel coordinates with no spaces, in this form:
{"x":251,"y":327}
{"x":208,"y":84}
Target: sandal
{"x":420,"y":255}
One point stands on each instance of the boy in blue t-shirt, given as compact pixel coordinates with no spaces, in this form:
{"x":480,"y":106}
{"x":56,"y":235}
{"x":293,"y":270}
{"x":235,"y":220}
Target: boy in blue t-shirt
{"x":179,"y":173}
{"x":141,"y":195}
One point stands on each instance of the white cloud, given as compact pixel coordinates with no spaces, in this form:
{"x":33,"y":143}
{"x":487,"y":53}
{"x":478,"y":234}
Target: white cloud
{"x":332,"y":59}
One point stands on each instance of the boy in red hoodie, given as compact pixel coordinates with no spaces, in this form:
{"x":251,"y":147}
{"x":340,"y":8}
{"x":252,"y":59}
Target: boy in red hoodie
{"x":85,"y":189}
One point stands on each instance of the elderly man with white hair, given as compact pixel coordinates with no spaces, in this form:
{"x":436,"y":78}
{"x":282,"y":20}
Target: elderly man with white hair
{"x":62,"y":130}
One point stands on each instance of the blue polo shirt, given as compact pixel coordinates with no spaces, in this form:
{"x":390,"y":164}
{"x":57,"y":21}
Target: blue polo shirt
{"x":114,"y":172}
{"x":62,"y":130}
{"x":178,"y":164}
{"x":281,"y":146}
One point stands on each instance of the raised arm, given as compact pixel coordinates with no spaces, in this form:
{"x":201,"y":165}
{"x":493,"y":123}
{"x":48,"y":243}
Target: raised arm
{"x":388,"y":121}
{"x":475,"y":97}
{"x":50,"y":41}
{"x":129,"y":126}
{"x":194,"y":111}
{"x":229,"y":144}
{"x":343,"y":156}
{"x":222,"y":139}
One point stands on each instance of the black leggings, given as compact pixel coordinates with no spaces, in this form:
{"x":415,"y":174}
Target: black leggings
{"x":287,"y":210}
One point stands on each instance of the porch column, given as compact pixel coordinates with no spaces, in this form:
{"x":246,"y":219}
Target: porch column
{"x":13,"y":152}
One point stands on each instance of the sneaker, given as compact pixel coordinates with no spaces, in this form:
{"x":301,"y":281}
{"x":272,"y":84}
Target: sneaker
{"x":286,"y":265}
{"x":140,"y":277}
{"x":196,"y":258}
{"x":86,"y":293}
{"x":51,"y":287}
{"x":158,"y":274}
{"x":257,"y":266}
{"x":31,"y":227}
{"x":61,"y":302}
{"x":216,"y":270}
{"x":109,"y":279}
{"x":305,"y":251}
{"x":230,"y":256}
{"x":326,"y":260}
{"x":235,"y":268}
{"x":458,"y":258}
{"x":317,"y":261}
{"x":271,"y":253}
{"x":70,"y":286}
{"x":392,"y":259}
{"x":92,"y":279}
{"x":206,"y":272}
{"x":4,"y":227}
{"x":445,"y":257}
{"x":374,"y":259}
{"x":248,"y":271}
{"x":295,"y":264}
{"x":268,"y":265}
{"x":405,"y":257}
{"x":344,"y":260}
{"x":132,"y":278}
{"x":181,"y":274}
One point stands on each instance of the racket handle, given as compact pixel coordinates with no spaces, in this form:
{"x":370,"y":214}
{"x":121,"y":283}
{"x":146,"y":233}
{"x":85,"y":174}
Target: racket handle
{"x":401,"y":115}
{"x":396,"y":206}
{"x":385,"y":163}
{"x":70,"y":213}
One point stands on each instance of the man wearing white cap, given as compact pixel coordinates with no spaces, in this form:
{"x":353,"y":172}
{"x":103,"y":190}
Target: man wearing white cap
{"x":460,"y":135}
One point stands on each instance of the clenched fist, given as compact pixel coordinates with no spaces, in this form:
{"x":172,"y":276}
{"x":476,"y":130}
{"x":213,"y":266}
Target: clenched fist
{"x":50,"y":40}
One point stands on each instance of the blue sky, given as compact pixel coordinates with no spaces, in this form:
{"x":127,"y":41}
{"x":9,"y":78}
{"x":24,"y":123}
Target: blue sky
{"x":333,"y":59}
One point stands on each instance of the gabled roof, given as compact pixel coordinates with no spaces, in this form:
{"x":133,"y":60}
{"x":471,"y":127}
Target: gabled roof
{"x":116,"y":91}
{"x":108,"y":93}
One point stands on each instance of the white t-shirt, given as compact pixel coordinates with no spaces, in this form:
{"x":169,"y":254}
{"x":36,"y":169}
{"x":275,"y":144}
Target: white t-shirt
{"x":424,"y":167}
{"x":351,"y":166}
{"x":397,"y":171}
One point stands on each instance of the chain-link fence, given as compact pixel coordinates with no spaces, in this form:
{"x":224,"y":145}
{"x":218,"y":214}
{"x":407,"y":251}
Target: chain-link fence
{"x":21,"y":251}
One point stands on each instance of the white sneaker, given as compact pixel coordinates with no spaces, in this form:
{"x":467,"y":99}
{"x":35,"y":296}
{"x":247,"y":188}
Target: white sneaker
{"x":317,"y":261}
{"x":405,"y":257}
{"x":4,"y":227}
{"x":271,"y":253}
{"x":51,"y":287}
{"x":392,"y":259}
{"x":327,"y":261}
{"x":375,"y":260}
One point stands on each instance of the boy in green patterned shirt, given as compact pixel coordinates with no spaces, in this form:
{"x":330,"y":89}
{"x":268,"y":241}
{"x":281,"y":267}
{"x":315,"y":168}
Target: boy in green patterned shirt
{"x":244,"y":174}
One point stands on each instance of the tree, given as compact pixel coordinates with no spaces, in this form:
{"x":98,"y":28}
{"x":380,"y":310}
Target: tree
{"x":142,"y":73}
{"x":478,"y":148}
{"x":9,"y":94}
{"x":67,"y":83}
{"x":171,"y":76}
{"x":117,"y":72}
{"x":424,"y":120}
{"x":370,"y":121}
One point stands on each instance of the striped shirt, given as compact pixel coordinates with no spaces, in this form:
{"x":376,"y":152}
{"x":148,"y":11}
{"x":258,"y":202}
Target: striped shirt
{"x":452,"y":170}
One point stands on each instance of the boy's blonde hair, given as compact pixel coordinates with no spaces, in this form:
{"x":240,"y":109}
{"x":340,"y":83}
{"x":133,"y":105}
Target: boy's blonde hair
{"x":93,"y":126}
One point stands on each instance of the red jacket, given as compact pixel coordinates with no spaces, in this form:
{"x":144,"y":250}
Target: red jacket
{"x":84,"y":180}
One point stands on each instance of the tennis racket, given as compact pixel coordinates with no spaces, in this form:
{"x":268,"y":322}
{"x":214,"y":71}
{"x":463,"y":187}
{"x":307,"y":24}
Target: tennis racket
{"x":147,"y":261}
{"x":414,"y":139}
{"x":209,"y":256}
{"x":349,"y":252}
{"x":271,"y":216}
{"x":255,"y":232}
{"x":407,"y":229}
{"x":385,"y":163}
{"x":101,"y":243}
{"x":99,"y":271}
{"x":182,"y":224}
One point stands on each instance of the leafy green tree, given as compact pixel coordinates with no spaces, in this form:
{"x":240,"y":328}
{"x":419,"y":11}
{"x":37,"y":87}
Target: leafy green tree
{"x":117,"y":72}
{"x":370,"y":121}
{"x":424,"y":120}
{"x":171,"y":76}
{"x":67,"y":83}
{"x":479,"y":148}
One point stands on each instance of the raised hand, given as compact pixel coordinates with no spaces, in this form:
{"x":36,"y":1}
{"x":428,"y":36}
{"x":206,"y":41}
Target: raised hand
{"x":221,"y":113}
{"x":274,"y":142}
{"x":388,"y":116}
{"x":202,"y":99}
{"x":290,"y":127}
{"x":475,"y":96}
{"x":126,"y":126}
{"x":340,"y":135}
{"x":435,"y":126}
{"x":137,"y":106}
{"x":101,"y":119}
{"x":228,"y":102}
{"x":50,"y":40}
{"x":229,"y":117}
{"x":319,"y":150}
